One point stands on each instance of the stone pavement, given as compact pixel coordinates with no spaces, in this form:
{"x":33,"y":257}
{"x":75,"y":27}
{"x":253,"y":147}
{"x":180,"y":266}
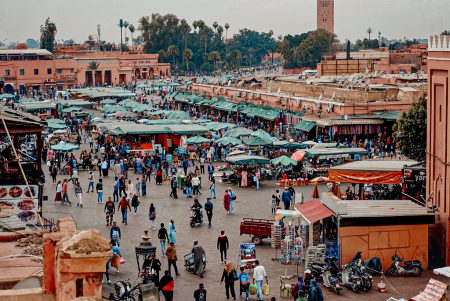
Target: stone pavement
{"x":249,"y":203}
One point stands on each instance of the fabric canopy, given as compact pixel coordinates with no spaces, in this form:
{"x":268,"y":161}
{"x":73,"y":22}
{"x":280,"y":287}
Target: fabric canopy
{"x":313,"y":211}
{"x":365,"y":177}
{"x":284,"y":161}
{"x":305,"y":126}
{"x":198,"y":140}
{"x":244,"y":159}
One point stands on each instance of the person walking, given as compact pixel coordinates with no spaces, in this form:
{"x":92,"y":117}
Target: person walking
{"x":212,"y":188}
{"x":122,"y":186}
{"x":200,"y":293}
{"x":222,"y":246}
{"x":273,"y":203}
{"x":226,"y":201}
{"x":174,"y":186}
{"x":315,"y":293}
{"x":256,"y":178}
{"x":286,"y":198}
{"x":196,"y":185}
{"x":229,"y":275}
{"x":244,"y":283}
{"x":115,"y":233}
{"x":104,"y":166}
{"x":188,"y":185}
{"x":99,"y":188}
{"x":91,"y":182}
{"x":152,"y":216}
{"x":166,"y":285}
{"x":54,"y":172}
{"x":110,"y":209}
{"x":259,"y":274}
{"x":232,"y":199}
{"x":171,"y":253}
{"x":209,"y":210}
{"x":58,"y":195}
{"x":172,"y":232}
{"x":163,"y":237}
{"x":135,"y":203}
{"x":65,"y":196}
{"x":199,"y":254}
{"x":210,"y":171}
{"x":79,"y":194}
{"x":130,"y":189}
{"x":116,"y":189}
{"x":124,"y":205}
{"x":143,"y":186}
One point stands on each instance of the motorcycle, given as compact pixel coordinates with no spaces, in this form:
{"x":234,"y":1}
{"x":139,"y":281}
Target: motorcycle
{"x":317,"y":269}
{"x":122,"y":291}
{"x":332,"y":282}
{"x":350,"y":278}
{"x":196,"y":217}
{"x":404,"y":268}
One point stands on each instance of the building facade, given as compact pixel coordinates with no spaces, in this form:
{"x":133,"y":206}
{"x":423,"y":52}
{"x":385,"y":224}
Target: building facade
{"x":37,"y":69}
{"x":325,"y":15}
{"x":438,"y":146}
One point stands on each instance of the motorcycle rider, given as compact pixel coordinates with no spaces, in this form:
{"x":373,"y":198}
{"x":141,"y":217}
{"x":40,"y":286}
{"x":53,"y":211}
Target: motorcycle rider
{"x":196,"y":207}
{"x":333,"y":266}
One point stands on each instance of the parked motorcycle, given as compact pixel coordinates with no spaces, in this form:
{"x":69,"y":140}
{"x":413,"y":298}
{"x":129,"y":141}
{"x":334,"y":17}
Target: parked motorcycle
{"x":317,"y":269}
{"x":404,"y":268}
{"x":196,"y":218}
{"x":350,"y":278}
{"x":332,"y":282}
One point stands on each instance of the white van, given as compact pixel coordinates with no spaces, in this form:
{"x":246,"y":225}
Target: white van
{"x":307,"y":73}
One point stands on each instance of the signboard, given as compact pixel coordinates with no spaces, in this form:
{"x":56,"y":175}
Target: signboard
{"x":18,"y":200}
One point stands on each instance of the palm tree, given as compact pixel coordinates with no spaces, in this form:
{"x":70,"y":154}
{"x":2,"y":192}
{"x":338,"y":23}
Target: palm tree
{"x":132,"y":30}
{"x":126,"y":24}
{"x":215,"y":25}
{"x":236,"y":58}
{"x":93,"y":65}
{"x":162,"y":55}
{"x":187,"y":57}
{"x":173,"y":51}
{"x":227,"y":26}
{"x":369,"y":31}
{"x":185,"y":29}
{"x":214,"y":56}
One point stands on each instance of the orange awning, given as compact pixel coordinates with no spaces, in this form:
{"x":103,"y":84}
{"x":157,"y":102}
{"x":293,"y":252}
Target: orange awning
{"x":363,"y":177}
{"x":313,"y":211}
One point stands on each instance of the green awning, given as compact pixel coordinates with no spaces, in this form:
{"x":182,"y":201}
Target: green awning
{"x":305,"y":126}
{"x":284,"y":161}
{"x":198,"y":140}
{"x":258,"y":141}
{"x":226,"y":141}
{"x":244,"y":159}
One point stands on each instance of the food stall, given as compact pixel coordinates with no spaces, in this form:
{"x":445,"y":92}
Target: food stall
{"x":246,"y":164}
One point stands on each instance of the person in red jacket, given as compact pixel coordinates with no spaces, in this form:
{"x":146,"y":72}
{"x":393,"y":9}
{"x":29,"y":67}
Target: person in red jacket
{"x":226,"y":201}
{"x":124,"y":205}
{"x":166,"y":285}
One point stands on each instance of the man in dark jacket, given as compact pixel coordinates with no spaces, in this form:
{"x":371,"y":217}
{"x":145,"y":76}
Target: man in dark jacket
{"x":200,"y":293}
{"x":110,"y":209}
{"x":222,"y":245}
{"x":209,"y":210}
{"x":174,"y":186}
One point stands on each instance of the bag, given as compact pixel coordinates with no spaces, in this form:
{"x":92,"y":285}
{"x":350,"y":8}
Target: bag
{"x":266,"y":290}
{"x":235,"y":275}
{"x":122,"y":261}
{"x":233,"y":196}
{"x":48,"y":163}
{"x":253,"y":290}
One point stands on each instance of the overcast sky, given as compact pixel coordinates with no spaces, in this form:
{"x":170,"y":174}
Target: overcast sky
{"x":78,"y":18}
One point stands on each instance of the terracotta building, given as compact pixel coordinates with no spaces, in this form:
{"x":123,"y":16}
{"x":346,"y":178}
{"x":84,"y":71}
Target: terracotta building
{"x":22,"y":69}
{"x":438,"y":145}
{"x":325,"y":15}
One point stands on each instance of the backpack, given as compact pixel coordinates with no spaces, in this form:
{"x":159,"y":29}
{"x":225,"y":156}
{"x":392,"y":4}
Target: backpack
{"x":243,"y":278}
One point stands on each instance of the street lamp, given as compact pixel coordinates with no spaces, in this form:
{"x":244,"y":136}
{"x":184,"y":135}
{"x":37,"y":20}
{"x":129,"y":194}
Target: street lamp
{"x":144,"y":250}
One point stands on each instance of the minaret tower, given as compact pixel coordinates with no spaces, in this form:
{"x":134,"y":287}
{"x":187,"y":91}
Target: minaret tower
{"x":325,"y":15}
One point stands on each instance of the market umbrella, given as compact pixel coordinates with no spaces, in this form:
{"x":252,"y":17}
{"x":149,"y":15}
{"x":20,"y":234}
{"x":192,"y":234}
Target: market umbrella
{"x":284,"y":161}
{"x":6,"y":95}
{"x":64,"y":147}
{"x":258,"y":141}
{"x":108,"y":101}
{"x":237,"y":132}
{"x":262,"y":134}
{"x":315,"y":193}
{"x":287,"y":145}
{"x":56,"y":126}
{"x":299,"y":155}
{"x":198,"y":140}
{"x":177,"y":115}
{"x":55,"y":120}
{"x":229,"y":141}
{"x":235,"y":153}
{"x":320,"y":180}
{"x":140,"y":86}
{"x":244,"y":159}
{"x":72,"y":109}
{"x":60,"y":132}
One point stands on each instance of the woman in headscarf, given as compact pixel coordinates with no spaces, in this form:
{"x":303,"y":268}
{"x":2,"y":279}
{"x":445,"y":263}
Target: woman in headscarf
{"x":172,"y":232}
{"x":228,"y":275}
{"x":315,"y":293}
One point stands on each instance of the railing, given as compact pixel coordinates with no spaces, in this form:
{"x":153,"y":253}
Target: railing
{"x":49,"y":224}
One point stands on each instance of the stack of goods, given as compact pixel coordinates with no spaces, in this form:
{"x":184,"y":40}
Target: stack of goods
{"x":247,"y":255}
{"x":286,"y":250}
{"x":298,"y":250}
{"x":315,"y":254}
{"x":275,"y":236}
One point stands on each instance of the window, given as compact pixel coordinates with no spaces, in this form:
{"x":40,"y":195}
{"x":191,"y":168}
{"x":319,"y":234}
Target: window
{"x":36,"y":71}
{"x":7,"y":72}
{"x":59,"y":71}
{"x":49,"y":70}
{"x":22,"y":72}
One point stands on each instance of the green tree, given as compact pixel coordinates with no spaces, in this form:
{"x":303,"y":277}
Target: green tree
{"x":173,"y":51}
{"x":310,"y":51}
{"x":48,"y":33}
{"x":411,"y":128}
{"x":214,"y":57}
{"x":93,"y":65}
{"x":187,"y":57}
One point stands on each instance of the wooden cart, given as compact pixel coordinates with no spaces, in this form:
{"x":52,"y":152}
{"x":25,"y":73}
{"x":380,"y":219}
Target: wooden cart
{"x":257,"y":228}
